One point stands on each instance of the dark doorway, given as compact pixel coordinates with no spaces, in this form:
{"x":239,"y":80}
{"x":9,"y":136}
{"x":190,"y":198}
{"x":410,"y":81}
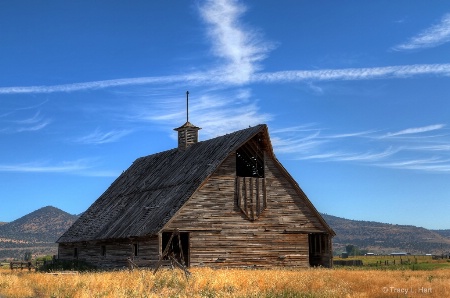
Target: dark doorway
{"x":178,"y":247}
{"x":319,"y":249}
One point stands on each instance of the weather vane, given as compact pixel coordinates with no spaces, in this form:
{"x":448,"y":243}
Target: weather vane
{"x":187,"y":106}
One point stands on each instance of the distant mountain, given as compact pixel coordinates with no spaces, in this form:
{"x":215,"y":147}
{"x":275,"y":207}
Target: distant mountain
{"x":35,"y":232}
{"x":443,"y":233}
{"x":387,"y":238}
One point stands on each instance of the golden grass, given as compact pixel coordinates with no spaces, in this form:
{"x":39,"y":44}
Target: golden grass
{"x":205,"y":282}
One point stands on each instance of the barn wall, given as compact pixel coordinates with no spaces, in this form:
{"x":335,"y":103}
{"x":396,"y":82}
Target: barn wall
{"x":116,"y":254}
{"x":222,"y":235}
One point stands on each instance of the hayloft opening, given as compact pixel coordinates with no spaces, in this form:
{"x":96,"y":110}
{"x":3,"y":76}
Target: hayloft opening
{"x":178,"y":247}
{"x":250,"y":159}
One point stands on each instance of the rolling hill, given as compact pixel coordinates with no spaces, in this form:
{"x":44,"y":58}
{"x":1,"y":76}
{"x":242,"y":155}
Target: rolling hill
{"x":443,"y":233}
{"x":35,"y":232}
{"x":386,"y":238}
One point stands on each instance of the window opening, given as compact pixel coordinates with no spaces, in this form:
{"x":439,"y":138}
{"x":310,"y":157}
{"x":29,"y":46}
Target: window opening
{"x":135,"y":249}
{"x":103,"y":250}
{"x":75,"y":252}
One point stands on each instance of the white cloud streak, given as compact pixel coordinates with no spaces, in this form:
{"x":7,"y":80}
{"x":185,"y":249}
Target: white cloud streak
{"x":215,"y":112}
{"x":43,"y":167}
{"x":98,"y":137}
{"x":354,"y":74}
{"x":194,"y":77}
{"x":369,"y":156}
{"x":433,"y":165}
{"x":34,"y":123}
{"x":241,"y":48}
{"x":416,"y":130}
{"x":36,"y":127}
{"x":80,"y":167}
{"x":220,"y":78}
{"x":294,"y":144}
{"x":311,"y":143}
{"x":433,"y":36}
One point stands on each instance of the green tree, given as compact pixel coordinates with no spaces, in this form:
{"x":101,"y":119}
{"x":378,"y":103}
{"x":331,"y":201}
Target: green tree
{"x":28,"y":256}
{"x":349,"y":249}
{"x":352,"y":250}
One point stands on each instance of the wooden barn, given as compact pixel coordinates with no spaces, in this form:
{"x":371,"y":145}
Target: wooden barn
{"x":228,"y":201}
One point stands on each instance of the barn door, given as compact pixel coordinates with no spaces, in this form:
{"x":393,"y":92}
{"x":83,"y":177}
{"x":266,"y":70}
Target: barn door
{"x":178,"y":246}
{"x":319,"y":249}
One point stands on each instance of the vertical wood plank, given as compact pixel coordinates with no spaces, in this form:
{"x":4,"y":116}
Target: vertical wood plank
{"x":244,"y":180}
{"x":264,"y":194}
{"x":252,"y":207}
{"x":258,"y":205}
{"x":238,"y":192}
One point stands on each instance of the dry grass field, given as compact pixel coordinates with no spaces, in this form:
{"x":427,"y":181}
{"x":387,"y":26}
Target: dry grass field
{"x":205,"y":282}
{"x":401,"y":262}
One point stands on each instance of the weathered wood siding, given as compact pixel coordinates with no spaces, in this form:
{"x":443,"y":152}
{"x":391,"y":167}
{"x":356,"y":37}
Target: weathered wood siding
{"x":222,"y":235}
{"x":115,"y":254}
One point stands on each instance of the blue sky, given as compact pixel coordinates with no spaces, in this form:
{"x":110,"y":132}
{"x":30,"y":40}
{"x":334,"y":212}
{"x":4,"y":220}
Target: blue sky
{"x":355,"y":94}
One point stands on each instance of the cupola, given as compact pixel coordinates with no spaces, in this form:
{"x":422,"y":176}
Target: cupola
{"x":188,"y":132}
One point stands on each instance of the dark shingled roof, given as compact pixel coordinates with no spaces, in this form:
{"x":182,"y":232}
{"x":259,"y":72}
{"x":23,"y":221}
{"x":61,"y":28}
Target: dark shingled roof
{"x":146,"y":196}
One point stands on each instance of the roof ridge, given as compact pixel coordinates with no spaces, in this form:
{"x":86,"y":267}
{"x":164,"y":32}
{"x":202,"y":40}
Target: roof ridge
{"x":258,"y":126}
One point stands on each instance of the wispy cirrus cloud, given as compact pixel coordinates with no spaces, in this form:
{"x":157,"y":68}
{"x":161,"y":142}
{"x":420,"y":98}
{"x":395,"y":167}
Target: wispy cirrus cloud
{"x":354,"y":74}
{"x":368,"y":156}
{"x":432,"y":147}
{"x":416,"y":130}
{"x":222,"y":78}
{"x":216,"y":112}
{"x":46,"y":167}
{"x":33,"y":123}
{"x":433,"y":165}
{"x":98,"y":137}
{"x":433,"y":36}
{"x":193,"y":77}
{"x":81,"y":167}
{"x":37,"y":122}
{"x":241,"y":48}
{"x":369,"y":148}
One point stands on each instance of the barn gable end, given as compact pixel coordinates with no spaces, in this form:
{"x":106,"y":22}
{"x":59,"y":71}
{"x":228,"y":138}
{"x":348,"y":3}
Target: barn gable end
{"x":221,"y":233}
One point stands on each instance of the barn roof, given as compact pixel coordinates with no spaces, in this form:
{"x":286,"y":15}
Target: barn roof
{"x":143,"y":199}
